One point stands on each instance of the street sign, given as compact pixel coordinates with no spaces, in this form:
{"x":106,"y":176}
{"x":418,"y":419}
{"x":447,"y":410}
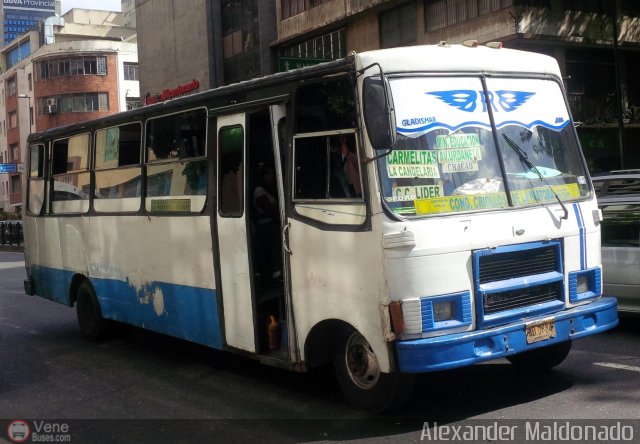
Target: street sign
{"x":10,"y":168}
{"x":289,"y":63}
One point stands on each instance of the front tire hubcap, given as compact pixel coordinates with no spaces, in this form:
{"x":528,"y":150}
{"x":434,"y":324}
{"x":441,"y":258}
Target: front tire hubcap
{"x":362,"y":364}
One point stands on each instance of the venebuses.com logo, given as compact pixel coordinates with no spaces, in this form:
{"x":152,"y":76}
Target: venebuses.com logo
{"x":18,"y":431}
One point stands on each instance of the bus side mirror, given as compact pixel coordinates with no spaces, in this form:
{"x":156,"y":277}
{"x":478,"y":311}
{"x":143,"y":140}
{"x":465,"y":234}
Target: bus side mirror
{"x":378,"y":114}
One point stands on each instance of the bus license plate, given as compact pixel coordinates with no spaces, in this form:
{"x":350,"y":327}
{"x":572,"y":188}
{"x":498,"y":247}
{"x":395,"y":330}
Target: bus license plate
{"x":540,"y":330}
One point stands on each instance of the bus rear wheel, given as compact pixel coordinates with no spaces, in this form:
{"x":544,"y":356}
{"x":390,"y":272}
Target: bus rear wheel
{"x":541,"y":359}
{"x":92,"y":325}
{"x":362,"y":383}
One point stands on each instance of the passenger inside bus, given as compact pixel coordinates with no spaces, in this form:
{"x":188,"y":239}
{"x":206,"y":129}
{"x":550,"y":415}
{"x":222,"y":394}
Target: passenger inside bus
{"x":345,"y":169}
{"x":267,"y":241}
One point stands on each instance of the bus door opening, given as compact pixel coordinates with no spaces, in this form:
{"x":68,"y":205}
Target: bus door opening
{"x":265,"y":244}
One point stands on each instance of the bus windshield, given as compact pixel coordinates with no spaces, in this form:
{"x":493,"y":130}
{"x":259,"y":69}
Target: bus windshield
{"x":446,"y":160}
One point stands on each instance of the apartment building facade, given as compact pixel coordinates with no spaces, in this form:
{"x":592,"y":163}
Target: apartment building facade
{"x":76,"y":71}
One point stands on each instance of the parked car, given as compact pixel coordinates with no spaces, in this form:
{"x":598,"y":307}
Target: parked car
{"x":618,"y":196}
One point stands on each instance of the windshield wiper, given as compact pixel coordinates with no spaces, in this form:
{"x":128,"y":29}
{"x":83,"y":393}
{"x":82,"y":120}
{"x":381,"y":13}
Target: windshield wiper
{"x":525,"y":159}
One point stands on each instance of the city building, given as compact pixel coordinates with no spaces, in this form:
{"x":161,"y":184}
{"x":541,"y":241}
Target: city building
{"x":596,"y":42}
{"x":82,"y":65}
{"x":20,"y":16}
{"x":214,"y":42}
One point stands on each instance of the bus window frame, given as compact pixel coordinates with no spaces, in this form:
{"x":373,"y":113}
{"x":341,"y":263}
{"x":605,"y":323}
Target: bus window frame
{"x":95,"y":171}
{"x":44,"y":178}
{"x":220,"y":176}
{"x":88,"y":170}
{"x":146,"y":163}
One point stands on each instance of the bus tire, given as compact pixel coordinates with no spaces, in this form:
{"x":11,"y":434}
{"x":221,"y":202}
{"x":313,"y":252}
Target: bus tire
{"x":362,"y":383}
{"x":541,"y":359}
{"x":92,"y":325}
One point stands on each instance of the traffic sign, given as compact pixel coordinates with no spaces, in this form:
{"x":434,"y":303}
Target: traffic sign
{"x":9,"y":168}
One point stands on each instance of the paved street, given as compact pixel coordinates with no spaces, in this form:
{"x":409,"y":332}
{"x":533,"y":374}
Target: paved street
{"x":48,"y":371}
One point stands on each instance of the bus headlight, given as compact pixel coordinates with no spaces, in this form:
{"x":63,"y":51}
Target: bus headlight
{"x":443,"y":311}
{"x":585,"y":284}
{"x":429,"y":314}
{"x":582,"y":285}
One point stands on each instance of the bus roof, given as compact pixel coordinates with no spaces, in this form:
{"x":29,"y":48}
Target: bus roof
{"x":459,"y":58}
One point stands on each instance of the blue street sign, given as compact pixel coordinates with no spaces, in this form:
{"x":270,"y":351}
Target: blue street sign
{"x":8,"y":167}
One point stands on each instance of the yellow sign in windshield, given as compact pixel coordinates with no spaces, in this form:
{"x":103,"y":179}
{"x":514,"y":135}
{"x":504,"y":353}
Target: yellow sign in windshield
{"x":460,"y":203}
{"x":495,"y":200}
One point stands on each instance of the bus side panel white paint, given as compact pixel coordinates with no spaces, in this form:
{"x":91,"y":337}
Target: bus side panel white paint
{"x":141,"y":249}
{"x":338,"y":275}
{"x":236,"y":290}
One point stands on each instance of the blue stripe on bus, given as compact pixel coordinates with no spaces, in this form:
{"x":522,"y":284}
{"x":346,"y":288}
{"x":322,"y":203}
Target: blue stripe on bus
{"x":51,"y":283}
{"x":182,"y":311}
{"x":583,"y":240}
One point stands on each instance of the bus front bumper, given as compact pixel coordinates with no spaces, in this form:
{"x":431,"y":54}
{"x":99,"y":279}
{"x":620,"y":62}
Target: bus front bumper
{"x":461,"y":349}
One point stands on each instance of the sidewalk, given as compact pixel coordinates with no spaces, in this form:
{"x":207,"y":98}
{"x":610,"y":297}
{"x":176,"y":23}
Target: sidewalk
{"x":12,"y":248}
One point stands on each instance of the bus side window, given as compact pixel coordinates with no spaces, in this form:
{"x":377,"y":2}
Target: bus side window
{"x":231,"y":174}
{"x":176,"y":162}
{"x":36,"y":179}
{"x":327,"y":167}
{"x":118,"y":170}
{"x":327,"y":170}
{"x":70,"y":181}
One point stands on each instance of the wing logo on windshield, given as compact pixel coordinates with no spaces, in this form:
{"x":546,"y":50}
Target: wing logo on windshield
{"x":467,"y":100}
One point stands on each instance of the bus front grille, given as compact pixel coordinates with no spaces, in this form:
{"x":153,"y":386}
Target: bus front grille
{"x":516,"y":281}
{"x":513,"y":299}
{"x":499,"y":267}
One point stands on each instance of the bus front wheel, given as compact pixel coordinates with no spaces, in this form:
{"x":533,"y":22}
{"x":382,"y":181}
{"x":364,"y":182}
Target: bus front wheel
{"x":541,"y":359}
{"x":362,"y":383}
{"x":92,"y":325}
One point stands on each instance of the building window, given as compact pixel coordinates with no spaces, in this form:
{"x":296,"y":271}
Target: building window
{"x":131,"y":71}
{"x":16,"y":184}
{"x":76,"y":66}
{"x":133,"y":102}
{"x":240,"y":40}
{"x":74,"y":103}
{"x":325,"y":47}
{"x":290,"y":8}
{"x":102,"y":66}
{"x":398,"y":26}
{"x":13,"y":119}
{"x":14,"y":149}
{"x":19,"y":53}
{"x":442,"y":13}
{"x":11,"y":87}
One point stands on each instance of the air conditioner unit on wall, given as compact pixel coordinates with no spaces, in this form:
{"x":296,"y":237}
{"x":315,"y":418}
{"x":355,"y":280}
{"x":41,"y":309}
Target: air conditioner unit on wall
{"x":51,"y":102}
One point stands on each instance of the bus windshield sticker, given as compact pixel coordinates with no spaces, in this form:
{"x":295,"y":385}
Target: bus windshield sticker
{"x":171,"y":205}
{"x":459,"y":160}
{"x":413,"y":163}
{"x":111,"y":145}
{"x":460,"y":203}
{"x":459,"y":155}
{"x":455,"y":103}
{"x":470,"y":140}
{"x":459,"y":167}
{"x":411,"y":193}
{"x":544,"y":194}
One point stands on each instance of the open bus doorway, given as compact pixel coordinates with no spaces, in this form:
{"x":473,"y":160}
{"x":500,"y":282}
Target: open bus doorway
{"x":264,"y":201}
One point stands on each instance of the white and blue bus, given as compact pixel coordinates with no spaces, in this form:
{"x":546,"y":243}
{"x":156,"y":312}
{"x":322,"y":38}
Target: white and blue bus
{"x":430,"y":209}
